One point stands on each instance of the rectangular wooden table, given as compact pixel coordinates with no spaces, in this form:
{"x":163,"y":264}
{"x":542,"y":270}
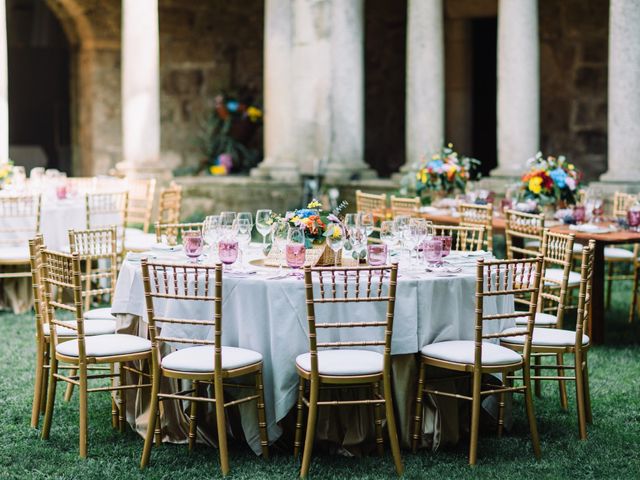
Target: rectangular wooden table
{"x":622,"y":237}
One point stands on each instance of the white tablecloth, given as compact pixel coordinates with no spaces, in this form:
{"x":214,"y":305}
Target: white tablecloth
{"x":269,"y":316}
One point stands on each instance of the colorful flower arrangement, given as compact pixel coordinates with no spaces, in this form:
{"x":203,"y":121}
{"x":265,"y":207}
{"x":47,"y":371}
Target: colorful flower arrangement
{"x":6,"y":171}
{"x":550,"y":181}
{"x":314,"y":221}
{"x":445,"y":171}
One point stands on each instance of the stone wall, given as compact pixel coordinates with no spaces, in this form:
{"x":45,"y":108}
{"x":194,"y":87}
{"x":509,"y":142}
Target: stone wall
{"x":573,"y":81}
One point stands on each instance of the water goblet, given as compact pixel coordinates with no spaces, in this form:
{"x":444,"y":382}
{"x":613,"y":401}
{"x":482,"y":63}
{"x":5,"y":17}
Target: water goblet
{"x":295,"y":250}
{"x":228,"y":251}
{"x":192,"y":244}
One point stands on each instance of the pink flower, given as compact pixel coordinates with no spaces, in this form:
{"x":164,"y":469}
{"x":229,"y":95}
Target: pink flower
{"x":570,"y":182}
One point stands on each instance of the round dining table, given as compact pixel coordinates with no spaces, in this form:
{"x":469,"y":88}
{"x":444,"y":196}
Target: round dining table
{"x":264,"y":310}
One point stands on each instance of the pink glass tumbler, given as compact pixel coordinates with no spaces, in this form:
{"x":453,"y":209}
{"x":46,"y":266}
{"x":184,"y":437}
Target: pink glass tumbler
{"x":432,"y":249}
{"x":377,"y":254}
{"x":193,"y":244}
{"x":296,"y":253}
{"x":446,"y":243}
{"x":228,"y":251}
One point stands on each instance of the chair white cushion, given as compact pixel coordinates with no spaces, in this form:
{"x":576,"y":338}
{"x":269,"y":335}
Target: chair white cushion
{"x":556,"y":274}
{"x":130,"y":231}
{"x":93,"y":327}
{"x":617,"y":253}
{"x":15,"y":253}
{"x":201,"y":359}
{"x":340,"y":362}
{"x":463,"y":351}
{"x":106,"y":345}
{"x":552,"y":337}
{"x":545,"y":319}
{"x":140,"y":242}
{"x":578,"y":247}
{"x":98,"y":314}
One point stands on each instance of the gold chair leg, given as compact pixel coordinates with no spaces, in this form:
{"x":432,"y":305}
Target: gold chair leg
{"x":533,"y":427}
{"x":45,"y":379}
{"x":262,"y":417}
{"x":114,"y":406}
{"x":222,"y":427}
{"x":537,"y":361}
{"x":564,"y":403}
{"x":311,"y":428}
{"x":377,"y":413}
{"x":501,"y":401}
{"x":158,"y":430}
{"x":634,"y":297}
{"x":609,"y":284}
{"x":153,"y":420}
{"x":122,"y":414}
{"x":391,"y":424}
{"x":68,"y":393}
{"x":193,"y":417}
{"x":587,"y":394}
{"x":83,"y":410}
{"x":51,"y":397}
{"x":580,"y":400}
{"x":37,"y":384}
{"x":476,"y":403}
{"x":417,"y":417}
{"x":297,"y":442}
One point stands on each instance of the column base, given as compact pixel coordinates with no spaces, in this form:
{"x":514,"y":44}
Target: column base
{"x":609,"y":187}
{"x":284,"y":172}
{"x":160,"y":169}
{"x":338,"y":174}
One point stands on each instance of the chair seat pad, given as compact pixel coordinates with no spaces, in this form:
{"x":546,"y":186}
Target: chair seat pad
{"x":94,"y":327}
{"x":98,"y":314}
{"x":140,"y":242}
{"x":106,"y":345}
{"x":463,"y":351}
{"x":14,"y":254}
{"x":550,"y":337}
{"x":343,"y":362}
{"x":545,"y":319}
{"x":556,"y":274}
{"x":201,"y":359}
{"x":131,"y":231}
{"x":617,"y":253}
{"x":578,"y":247}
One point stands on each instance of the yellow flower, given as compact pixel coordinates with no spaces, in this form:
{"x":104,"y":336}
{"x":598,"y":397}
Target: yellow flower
{"x":435,"y":157}
{"x":535,"y":185}
{"x":254,"y":113}
{"x":295,"y":219}
{"x":337,"y":233}
{"x":3,"y":173}
{"x":314,"y":204}
{"x":450,"y":145}
{"x":570,"y":166}
{"x":217,"y":170}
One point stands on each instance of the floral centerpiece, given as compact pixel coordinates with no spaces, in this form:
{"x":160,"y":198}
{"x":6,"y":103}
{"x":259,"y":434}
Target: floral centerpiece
{"x":313,"y":220}
{"x":550,"y":181}
{"x":6,"y":171}
{"x":444,"y":172}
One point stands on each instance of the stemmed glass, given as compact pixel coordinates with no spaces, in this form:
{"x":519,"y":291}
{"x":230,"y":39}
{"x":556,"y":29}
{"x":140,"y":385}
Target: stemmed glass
{"x":415,"y":235}
{"x":367,"y":222}
{"x":243,"y":228}
{"x":296,"y":250}
{"x":400,"y":226}
{"x":227,"y":222}
{"x":263,"y":224}
{"x":228,"y":249}
{"x":279,"y":235}
{"x":335,"y":239}
{"x":387,"y":234}
{"x":211,"y":232}
{"x":351,"y":221}
{"x":192,"y":245}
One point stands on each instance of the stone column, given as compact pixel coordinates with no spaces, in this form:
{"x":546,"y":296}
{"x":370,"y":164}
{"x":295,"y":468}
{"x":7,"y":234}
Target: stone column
{"x":279,"y":137}
{"x":425,"y":80}
{"x":4,"y":87}
{"x":624,"y":92}
{"x":141,"y":89}
{"x":518,"y":86}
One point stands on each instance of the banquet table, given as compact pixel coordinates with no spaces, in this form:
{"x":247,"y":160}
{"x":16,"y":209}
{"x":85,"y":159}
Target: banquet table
{"x":267,"y":313}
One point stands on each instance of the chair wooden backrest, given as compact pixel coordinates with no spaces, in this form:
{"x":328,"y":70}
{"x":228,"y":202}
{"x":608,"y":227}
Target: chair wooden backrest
{"x":107,"y":209}
{"x":621,"y":203}
{"x":172,"y":233}
{"x":19,"y":219}
{"x":520,"y":227}
{"x":472,"y":214}
{"x":376,"y":204}
{"x":99,"y":246}
{"x":183,"y":283}
{"x":504,"y":278}
{"x":405,"y":206}
{"x":36,"y":245}
{"x":170,"y":204}
{"x":464,"y":238}
{"x":140,"y":204}
{"x":61,"y":278}
{"x":346,"y":285}
{"x":557,"y":253}
{"x":583,"y":323}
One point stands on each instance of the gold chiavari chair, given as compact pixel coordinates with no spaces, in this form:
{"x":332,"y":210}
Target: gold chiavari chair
{"x":559,"y":342}
{"x":172,"y":233}
{"x":170,"y":204}
{"x":523,"y":234}
{"x":19,"y":222}
{"x":83,"y":352}
{"x":107,"y":209}
{"x":338,"y":363}
{"x":43,"y":337}
{"x":139,"y":210}
{"x":479,"y":356}
{"x":405,"y":206}
{"x":208,"y":363}
{"x":472,"y":214}
{"x":376,"y":205}
{"x":465,"y":238}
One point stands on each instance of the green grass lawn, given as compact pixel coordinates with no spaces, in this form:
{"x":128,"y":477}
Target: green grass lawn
{"x":611,"y":451}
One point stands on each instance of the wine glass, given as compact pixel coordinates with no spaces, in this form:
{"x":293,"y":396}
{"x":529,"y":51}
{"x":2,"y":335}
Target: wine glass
{"x":243,"y":228}
{"x":367,"y":222}
{"x":228,"y":250}
{"x":227,"y":220}
{"x":351,"y":221}
{"x":211,"y":232}
{"x":335,"y":239}
{"x":415,"y":235}
{"x":400,"y":225}
{"x":296,"y":250}
{"x":192,"y":244}
{"x":263,"y":224}
{"x":279,"y":235}
{"x":387,"y":234}
{"x":247,"y":216}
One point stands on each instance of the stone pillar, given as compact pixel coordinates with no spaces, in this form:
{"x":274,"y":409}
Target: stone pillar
{"x":279,"y":137}
{"x":624,"y":92}
{"x":4,"y":87}
{"x":518,"y":86}
{"x":425,"y":80}
{"x":141,"y":90}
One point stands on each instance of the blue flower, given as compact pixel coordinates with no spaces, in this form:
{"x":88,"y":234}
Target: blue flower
{"x":305,"y":212}
{"x":435,"y":164}
{"x":232,"y":106}
{"x":559,"y":177}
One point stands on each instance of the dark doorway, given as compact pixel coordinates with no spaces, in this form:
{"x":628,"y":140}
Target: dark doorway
{"x":39,"y":73}
{"x":385,"y":66}
{"x":484,"y":33}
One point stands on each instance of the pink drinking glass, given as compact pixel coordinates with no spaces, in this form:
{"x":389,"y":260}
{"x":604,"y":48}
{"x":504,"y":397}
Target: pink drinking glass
{"x":377,"y":254}
{"x":432,"y":249}
{"x":633,"y":219}
{"x":193,"y":243}
{"x":61,"y":192}
{"x":446,"y":243}
{"x":228,"y":251}
{"x":579,"y":213}
{"x":296,"y":254}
